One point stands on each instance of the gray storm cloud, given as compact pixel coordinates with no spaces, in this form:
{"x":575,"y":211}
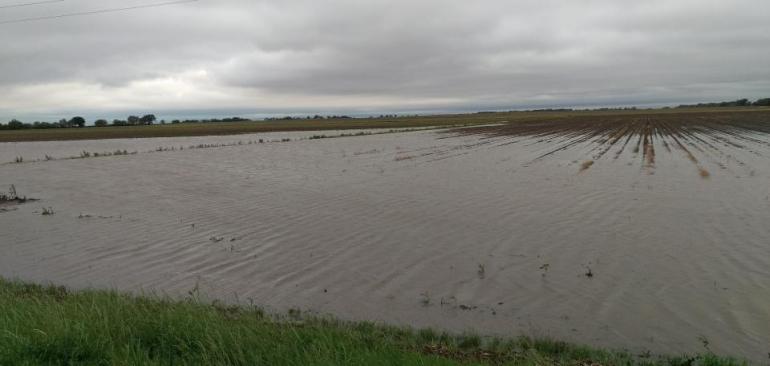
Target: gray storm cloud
{"x":381,"y":54}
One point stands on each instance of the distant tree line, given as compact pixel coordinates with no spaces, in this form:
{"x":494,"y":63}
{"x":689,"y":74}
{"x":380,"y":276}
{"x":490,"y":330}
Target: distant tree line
{"x":212,"y":120}
{"x":149,"y":119}
{"x":602,"y":109}
{"x":553,"y":110}
{"x":146,"y":120}
{"x":79,"y":122}
{"x":764,"y":102}
{"x":73,"y":122}
{"x":317,"y":116}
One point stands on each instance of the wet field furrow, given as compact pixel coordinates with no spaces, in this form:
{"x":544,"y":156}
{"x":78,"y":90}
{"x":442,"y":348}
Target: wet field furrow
{"x":694,"y":134}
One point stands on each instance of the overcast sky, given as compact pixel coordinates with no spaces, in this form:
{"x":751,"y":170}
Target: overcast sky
{"x":293,"y":56}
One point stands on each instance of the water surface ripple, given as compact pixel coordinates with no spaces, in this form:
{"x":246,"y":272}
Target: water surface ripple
{"x":486,"y":231}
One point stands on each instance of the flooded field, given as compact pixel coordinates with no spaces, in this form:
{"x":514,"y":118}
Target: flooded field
{"x":31,"y":152}
{"x":646,"y":233}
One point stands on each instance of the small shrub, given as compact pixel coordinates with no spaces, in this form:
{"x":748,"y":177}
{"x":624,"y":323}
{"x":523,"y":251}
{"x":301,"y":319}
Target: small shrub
{"x":12,"y":196}
{"x":586,"y":165}
{"x":425,"y":298}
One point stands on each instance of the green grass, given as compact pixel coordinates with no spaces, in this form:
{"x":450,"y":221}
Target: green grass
{"x":51,"y":325}
{"x":232,"y":128}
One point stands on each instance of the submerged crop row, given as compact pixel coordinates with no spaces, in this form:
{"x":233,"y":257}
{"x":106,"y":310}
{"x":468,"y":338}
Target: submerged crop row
{"x":642,"y":135}
{"x":85,"y":154}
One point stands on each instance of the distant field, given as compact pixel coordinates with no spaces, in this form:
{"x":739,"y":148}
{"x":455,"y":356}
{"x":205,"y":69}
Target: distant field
{"x":233,"y":128}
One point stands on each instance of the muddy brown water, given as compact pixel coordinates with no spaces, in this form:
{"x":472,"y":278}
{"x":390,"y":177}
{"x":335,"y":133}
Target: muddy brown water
{"x":484,"y":232}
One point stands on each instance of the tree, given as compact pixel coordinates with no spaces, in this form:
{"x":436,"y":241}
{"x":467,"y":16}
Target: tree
{"x":43,"y":125}
{"x":147,"y":119}
{"x":100,"y":123}
{"x":77,"y":121}
{"x":742,"y":102}
{"x":117,"y":122}
{"x":15,"y":125}
{"x":133,"y":120}
{"x":763,"y":102}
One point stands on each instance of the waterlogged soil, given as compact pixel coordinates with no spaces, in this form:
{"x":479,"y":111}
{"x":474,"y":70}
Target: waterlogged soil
{"x":486,"y":229}
{"x":45,"y":151}
{"x":704,"y":133}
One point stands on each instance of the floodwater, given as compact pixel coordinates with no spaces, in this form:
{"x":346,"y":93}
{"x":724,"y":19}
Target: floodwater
{"x":466,"y":231}
{"x":26,"y":152}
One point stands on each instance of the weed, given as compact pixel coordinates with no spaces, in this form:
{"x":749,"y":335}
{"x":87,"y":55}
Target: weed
{"x":450,"y":301}
{"x":586,"y":165}
{"x":12,"y":196}
{"x":545,"y":268}
{"x":469,"y":342}
{"x":705,"y":342}
{"x":194,"y":293}
{"x":425,"y":299}
{"x":295,"y":314}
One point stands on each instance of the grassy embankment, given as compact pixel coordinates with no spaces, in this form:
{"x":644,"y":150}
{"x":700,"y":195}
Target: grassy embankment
{"x":54,"y":326}
{"x":233,"y":128}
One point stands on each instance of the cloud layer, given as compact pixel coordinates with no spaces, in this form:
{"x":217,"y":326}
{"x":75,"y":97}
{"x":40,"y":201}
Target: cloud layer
{"x":379,"y":55}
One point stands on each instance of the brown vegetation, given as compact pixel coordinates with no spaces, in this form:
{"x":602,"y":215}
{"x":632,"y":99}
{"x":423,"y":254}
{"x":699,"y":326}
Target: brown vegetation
{"x":645,"y":132}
